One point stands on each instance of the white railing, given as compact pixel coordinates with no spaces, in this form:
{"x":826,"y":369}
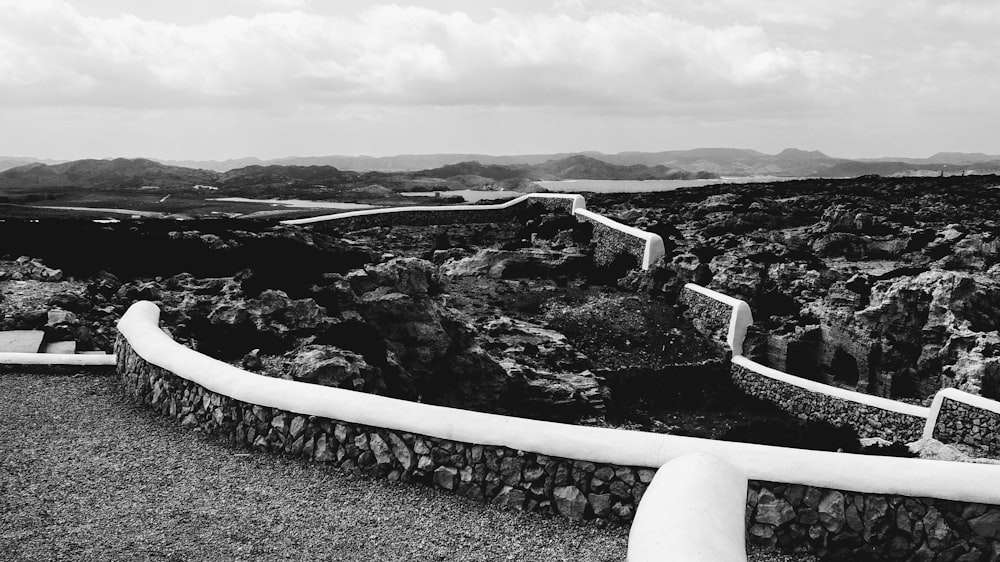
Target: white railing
{"x":578,"y":203}
{"x":653,"y":244}
{"x":740,"y":319}
{"x":653,"y":249}
{"x":78,"y":359}
{"x":841,"y":471}
{"x":828,"y":390}
{"x":978,"y":402}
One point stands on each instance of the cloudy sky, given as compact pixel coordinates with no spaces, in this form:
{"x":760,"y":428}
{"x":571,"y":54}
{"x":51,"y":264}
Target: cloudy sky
{"x":215,"y":79}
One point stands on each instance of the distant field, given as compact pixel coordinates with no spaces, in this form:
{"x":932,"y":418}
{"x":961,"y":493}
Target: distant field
{"x":37,"y":204}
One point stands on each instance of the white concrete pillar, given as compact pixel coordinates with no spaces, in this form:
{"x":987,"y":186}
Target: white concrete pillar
{"x":693,"y":511}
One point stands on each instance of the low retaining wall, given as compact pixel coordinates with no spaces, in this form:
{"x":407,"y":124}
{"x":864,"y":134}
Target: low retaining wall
{"x":724,"y":318}
{"x":504,"y":476}
{"x":954,"y":416}
{"x":870,"y":416}
{"x":610,"y":238}
{"x":719,"y":316}
{"x":80,"y":360}
{"x":576,"y":471}
{"x":967,"y":419}
{"x":871,"y":526}
{"x":613,"y":238}
{"x":444,"y":214}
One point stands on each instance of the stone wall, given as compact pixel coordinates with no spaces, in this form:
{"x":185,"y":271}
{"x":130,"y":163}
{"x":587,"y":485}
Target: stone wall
{"x":869,"y":421}
{"x":966,"y":424}
{"x":609,"y":243}
{"x":424,"y":217}
{"x":859,"y":526}
{"x":710,"y":316}
{"x":610,"y":239}
{"x":791,"y":517}
{"x":507,"y":477}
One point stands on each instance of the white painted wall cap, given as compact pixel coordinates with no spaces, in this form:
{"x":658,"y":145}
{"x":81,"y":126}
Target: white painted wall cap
{"x":841,"y":471}
{"x":825,"y":389}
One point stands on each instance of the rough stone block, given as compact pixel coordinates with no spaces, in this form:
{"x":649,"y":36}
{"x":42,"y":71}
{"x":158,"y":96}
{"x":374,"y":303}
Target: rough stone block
{"x":380,"y":449}
{"x":987,"y":525}
{"x":401,"y":451}
{"x":510,"y":498}
{"x":601,"y":504}
{"x":831,"y":511}
{"x":570,"y":501}
{"x":445,"y":477}
{"x":772,"y":510}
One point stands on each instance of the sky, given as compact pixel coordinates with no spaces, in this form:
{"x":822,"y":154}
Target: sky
{"x":218,"y":79}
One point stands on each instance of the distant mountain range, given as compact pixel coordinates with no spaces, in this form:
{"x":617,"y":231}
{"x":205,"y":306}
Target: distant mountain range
{"x":119,"y":173}
{"x":679,"y":164}
{"x":721,"y":161}
{"x":123,"y":173}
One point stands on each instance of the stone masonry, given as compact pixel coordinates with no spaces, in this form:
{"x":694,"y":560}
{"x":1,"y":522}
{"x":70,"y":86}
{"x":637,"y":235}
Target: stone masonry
{"x":787,"y":516}
{"x":465,"y":216}
{"x":856,"y":526}
{"x":610,"y":243}
{"x":506,"y":477}
{"x":711,"y":317}
{"x":868,"y":421}
{"x":962,"y":423}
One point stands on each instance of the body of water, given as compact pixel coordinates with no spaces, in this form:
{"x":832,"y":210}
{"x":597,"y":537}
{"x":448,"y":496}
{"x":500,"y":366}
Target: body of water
{"x":564,"y":186}
{"x":470,"y":195}
{"x":597,"y":186}
{"x":642,"y":186}
{"x":297,"y":203}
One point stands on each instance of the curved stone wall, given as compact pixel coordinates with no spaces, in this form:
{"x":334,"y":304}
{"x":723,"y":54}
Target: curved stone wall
{"x":797,"y":498}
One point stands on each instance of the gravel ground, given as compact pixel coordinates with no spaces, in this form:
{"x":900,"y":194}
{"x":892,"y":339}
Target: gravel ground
{"x":87,"y":475}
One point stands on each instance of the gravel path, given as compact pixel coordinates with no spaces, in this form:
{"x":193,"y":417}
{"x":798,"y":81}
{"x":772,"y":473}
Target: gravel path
{"x":85,"y":475}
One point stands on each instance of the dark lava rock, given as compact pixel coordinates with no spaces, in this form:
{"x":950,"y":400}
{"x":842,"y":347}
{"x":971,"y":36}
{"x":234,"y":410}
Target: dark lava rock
{"x":524,"y":262}
{"x":328,"y":365}
{"x":70,"y":301}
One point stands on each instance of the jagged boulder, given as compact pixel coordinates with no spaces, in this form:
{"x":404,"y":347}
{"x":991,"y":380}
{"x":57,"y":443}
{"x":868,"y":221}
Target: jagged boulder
{"x":938,"y":328}
{"x":534,"y":345}
{"x":842,"y":218}
{"x":227,"y":325}
{"x":553,"y":395}
{"x":409,"y":276}
{"x":328,"y":365}
{"x":524,"y":262}
{"x":410,"y":326}
{"x":104,"y":286}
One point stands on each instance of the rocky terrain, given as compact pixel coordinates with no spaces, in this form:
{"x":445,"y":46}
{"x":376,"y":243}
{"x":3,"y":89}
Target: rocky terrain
{"x":884,"y":285}
{"x":877,"y":284}
{"x":509,"y":318}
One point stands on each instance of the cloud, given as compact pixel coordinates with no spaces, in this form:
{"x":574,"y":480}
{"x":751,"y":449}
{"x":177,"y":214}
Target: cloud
{"x":635,"y":60}
{"x":283,"y":4}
